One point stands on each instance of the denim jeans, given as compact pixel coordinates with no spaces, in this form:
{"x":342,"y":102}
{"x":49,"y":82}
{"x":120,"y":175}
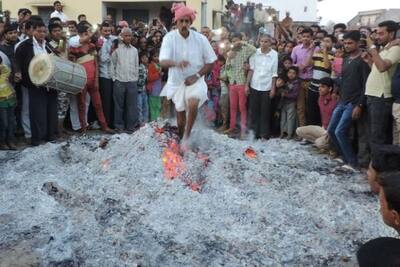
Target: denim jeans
{"x":143,"y":107}
{"x":7,"y":124}
{"x":338,"y":131}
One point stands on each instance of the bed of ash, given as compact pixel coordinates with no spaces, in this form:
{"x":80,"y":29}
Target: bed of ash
{"x":277,"y":204}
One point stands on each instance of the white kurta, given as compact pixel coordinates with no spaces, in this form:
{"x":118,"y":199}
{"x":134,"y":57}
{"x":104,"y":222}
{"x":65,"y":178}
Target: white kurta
{"x":195,"y":49}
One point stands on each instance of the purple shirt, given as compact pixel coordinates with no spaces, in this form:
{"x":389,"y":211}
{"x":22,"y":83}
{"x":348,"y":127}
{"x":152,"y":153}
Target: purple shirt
{"x":300,"y":56}
{"x":294,"y":88}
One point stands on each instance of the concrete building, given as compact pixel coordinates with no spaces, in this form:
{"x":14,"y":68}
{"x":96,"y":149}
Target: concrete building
{"x":208,"y":11}
{"x":372,"y":18}
{"x":300,"y":10}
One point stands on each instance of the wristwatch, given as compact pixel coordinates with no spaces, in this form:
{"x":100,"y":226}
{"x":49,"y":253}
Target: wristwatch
{"x":198,"y":75}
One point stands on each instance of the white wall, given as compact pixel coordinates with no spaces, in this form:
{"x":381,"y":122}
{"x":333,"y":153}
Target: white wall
{"x":295,"y":7}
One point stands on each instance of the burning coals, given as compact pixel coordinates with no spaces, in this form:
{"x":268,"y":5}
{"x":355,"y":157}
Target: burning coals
{"x":137,"y":200}
{"x":176,"y":160}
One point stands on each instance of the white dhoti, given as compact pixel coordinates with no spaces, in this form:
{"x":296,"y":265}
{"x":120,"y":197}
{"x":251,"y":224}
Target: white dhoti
{"x":180,"y":94}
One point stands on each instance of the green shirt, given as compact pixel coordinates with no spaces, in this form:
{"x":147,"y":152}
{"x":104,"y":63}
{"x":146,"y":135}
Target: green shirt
{"x":235,"y":71}
{"x":380,"y":83}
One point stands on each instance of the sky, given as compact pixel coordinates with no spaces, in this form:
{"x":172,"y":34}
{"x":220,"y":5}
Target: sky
{"x":345,"y":10}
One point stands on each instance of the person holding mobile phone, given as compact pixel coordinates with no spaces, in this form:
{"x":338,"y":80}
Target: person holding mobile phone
{"x":378,"y":86}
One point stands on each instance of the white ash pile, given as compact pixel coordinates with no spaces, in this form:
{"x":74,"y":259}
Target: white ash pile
{"x":275,"y":204}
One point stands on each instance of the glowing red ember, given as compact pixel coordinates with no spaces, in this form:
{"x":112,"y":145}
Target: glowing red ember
{"x":173,"y":161}
{"x":250,"y":153}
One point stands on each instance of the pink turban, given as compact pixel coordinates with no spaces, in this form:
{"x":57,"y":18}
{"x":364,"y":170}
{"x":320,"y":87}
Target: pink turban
{"x":180,"y":11}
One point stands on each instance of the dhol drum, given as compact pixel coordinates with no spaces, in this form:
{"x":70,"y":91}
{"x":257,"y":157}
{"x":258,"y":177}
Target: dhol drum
{"x":57,"y":73}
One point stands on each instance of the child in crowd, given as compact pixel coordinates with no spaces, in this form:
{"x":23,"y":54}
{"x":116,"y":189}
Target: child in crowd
{"x":338,"y":62}
{"x":281,"y":47}
{"x":385,"y":251}
{"x":8,"y":102}
{"x":154,"y":85}
{"x":289,"y":96}
{"x":214,"y":88}
{"x":289,"y":47}
{"x":224,"y":97}
{"x":143,"y":105}
{"x":284,"y":64}
{"x":277,"y":102}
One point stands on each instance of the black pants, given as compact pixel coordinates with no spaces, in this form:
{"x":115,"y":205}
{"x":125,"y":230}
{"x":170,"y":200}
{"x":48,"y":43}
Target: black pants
{"x":260,"y":113}
{"x":7,"y":125}
{"x":380,"y":120}
{"x":107,"y":100}
{"x":43,"y":114}
{"x":313,"y":115}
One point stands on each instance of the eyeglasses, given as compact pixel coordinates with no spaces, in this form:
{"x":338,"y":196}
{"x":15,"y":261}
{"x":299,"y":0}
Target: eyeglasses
{"x":184,"y":20}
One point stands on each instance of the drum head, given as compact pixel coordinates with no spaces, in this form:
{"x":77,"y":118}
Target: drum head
{"x":41,"y":69}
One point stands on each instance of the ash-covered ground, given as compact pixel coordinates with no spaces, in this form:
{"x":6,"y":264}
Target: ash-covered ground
{"x":75,"y":204}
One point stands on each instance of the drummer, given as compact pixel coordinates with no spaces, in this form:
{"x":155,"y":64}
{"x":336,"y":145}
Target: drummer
{"x":42,"y":101}
{"x":84,"y":53}
{"x":58,"y":45}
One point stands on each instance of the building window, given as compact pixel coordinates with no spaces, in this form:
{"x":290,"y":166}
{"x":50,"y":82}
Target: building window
{"x":305,"y":9}
{"x":44,"y":12}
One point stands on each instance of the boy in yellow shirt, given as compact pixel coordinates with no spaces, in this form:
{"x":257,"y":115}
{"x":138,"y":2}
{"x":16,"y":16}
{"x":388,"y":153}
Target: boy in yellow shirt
{"x":8,"y":102}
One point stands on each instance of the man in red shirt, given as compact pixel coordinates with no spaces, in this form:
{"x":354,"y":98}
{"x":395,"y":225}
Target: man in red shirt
{"x":85,"y":54}
{"x":327,"y":103}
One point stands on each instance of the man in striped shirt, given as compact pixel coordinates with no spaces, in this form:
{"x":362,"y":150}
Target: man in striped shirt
{"x":322,"y":67}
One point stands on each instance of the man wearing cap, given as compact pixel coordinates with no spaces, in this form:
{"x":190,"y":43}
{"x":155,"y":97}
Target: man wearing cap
{"x":189,"y":56}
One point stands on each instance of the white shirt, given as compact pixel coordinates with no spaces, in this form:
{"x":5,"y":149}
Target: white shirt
{"x":74,"y":41}
{"x":105,"y":57}
{"x":39,"y":48}
{"x":125,"y":64}
{"x":60,"y":15}
{"x":264,"y":67}
{"x":195,"y":49}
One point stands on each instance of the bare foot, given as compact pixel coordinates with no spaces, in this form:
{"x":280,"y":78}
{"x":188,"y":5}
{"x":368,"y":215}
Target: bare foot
{"x":108,"y":130}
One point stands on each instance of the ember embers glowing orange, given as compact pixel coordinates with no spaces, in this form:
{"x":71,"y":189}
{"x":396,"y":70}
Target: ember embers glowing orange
{"x":250,"y":153}
{"x":173,"y":161}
